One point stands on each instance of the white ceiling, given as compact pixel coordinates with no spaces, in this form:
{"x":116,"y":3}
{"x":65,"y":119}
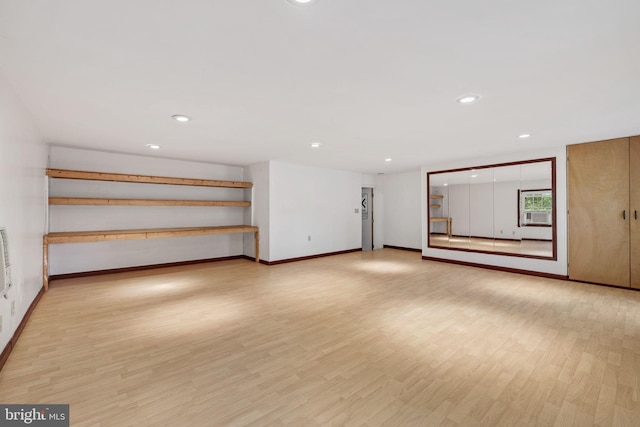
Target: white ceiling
{"x":369,"y":79}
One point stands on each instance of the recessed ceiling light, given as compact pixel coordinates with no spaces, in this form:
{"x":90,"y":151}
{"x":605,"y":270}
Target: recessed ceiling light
{"x":474,"y":176}
{"x":180,"y":118}
{"x":467,"y":99}
{"x":301,"y":2}
{"x":387,"y":159}
{"x":524,"y":135}
{"x":446,"y":185}
{"x":315,"y":145}
{"x":153,"y":146}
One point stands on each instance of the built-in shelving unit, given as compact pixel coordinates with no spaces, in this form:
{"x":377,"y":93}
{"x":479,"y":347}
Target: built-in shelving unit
{"x":436,"y":212}
{"x":150,"y":233}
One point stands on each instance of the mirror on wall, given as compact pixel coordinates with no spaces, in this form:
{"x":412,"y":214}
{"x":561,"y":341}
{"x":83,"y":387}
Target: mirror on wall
{"x":506,"y":209}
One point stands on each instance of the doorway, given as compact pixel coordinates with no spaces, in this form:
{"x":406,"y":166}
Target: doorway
{"x":367,"y":219}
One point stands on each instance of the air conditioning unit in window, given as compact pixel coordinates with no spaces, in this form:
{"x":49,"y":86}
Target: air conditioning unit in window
{"x":538,"y":218}
{"x":5,"y":265}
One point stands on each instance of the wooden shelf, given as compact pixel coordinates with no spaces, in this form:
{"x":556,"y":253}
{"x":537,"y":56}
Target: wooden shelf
{"x":146,"y":233}
{"x":436,"y":196}
{"x":142,"y":202}
{"x":146,"y":179}
{"x":435,"y":206}
{"x":152,"y":233}
{"x":449,"y":222}
{"x":435,"y":219}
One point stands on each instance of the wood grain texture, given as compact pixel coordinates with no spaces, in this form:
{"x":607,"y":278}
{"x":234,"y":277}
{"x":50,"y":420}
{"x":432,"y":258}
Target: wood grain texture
{"x":598,"y":194}
{"x":145,"y":179}
{"x":45,"y":263}
{"x":143,"y":202}
{"x":256,"y":242}
{"x":377,"y":338}
{"x":144,"y":233}
{"x":634,"y":208}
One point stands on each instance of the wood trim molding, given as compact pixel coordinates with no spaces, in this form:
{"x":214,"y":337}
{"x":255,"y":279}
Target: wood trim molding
{"x":626,"y":288}
{"x":402,"y":248}
{"x":304,"y":258}
{"x":479,"y":251}
{"x":498,"y":268}
{"x":520,"y":162}
{"x":14,"y":339}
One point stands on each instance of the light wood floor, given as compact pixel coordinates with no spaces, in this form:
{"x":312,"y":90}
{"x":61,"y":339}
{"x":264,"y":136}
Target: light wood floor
{"x":375,"y":338}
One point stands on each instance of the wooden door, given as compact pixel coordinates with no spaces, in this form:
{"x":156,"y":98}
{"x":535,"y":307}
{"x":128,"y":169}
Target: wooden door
{"x":598,"y":194}
{"x":634,"y":208}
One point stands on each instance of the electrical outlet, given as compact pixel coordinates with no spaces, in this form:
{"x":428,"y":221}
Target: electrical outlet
{"x":308,"y":238}
{"x":513,"y":232}
{"x":356,"y":210}
{"x":13,"y":308}
{"x":501,"y":232}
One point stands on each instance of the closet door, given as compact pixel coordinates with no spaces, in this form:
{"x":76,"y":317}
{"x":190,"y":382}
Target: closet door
{"x":634,"y":170}
{"x":598,"y":175}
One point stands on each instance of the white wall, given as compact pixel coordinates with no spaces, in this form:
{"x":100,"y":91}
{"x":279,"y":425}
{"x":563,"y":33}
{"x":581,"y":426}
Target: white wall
{"x":320,"y":203}
{"x":459,"y":209}
{"x":486,"y":210}
{"x":402,"y":209}
{"x":23,"y":157}
{"x":258,"y":215}
{"x":558,"y":267}
{"x":506,"y":212}
{"x":481,"y":204}
{"x":80,"y":257}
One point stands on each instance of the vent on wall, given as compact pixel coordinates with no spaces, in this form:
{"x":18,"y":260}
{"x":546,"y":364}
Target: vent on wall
{"x":5,"y":265}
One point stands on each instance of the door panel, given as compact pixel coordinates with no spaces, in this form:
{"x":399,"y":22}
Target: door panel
{"x":634,"y":205}
{"x":598,"y":180}
{"x":367,"y":219}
